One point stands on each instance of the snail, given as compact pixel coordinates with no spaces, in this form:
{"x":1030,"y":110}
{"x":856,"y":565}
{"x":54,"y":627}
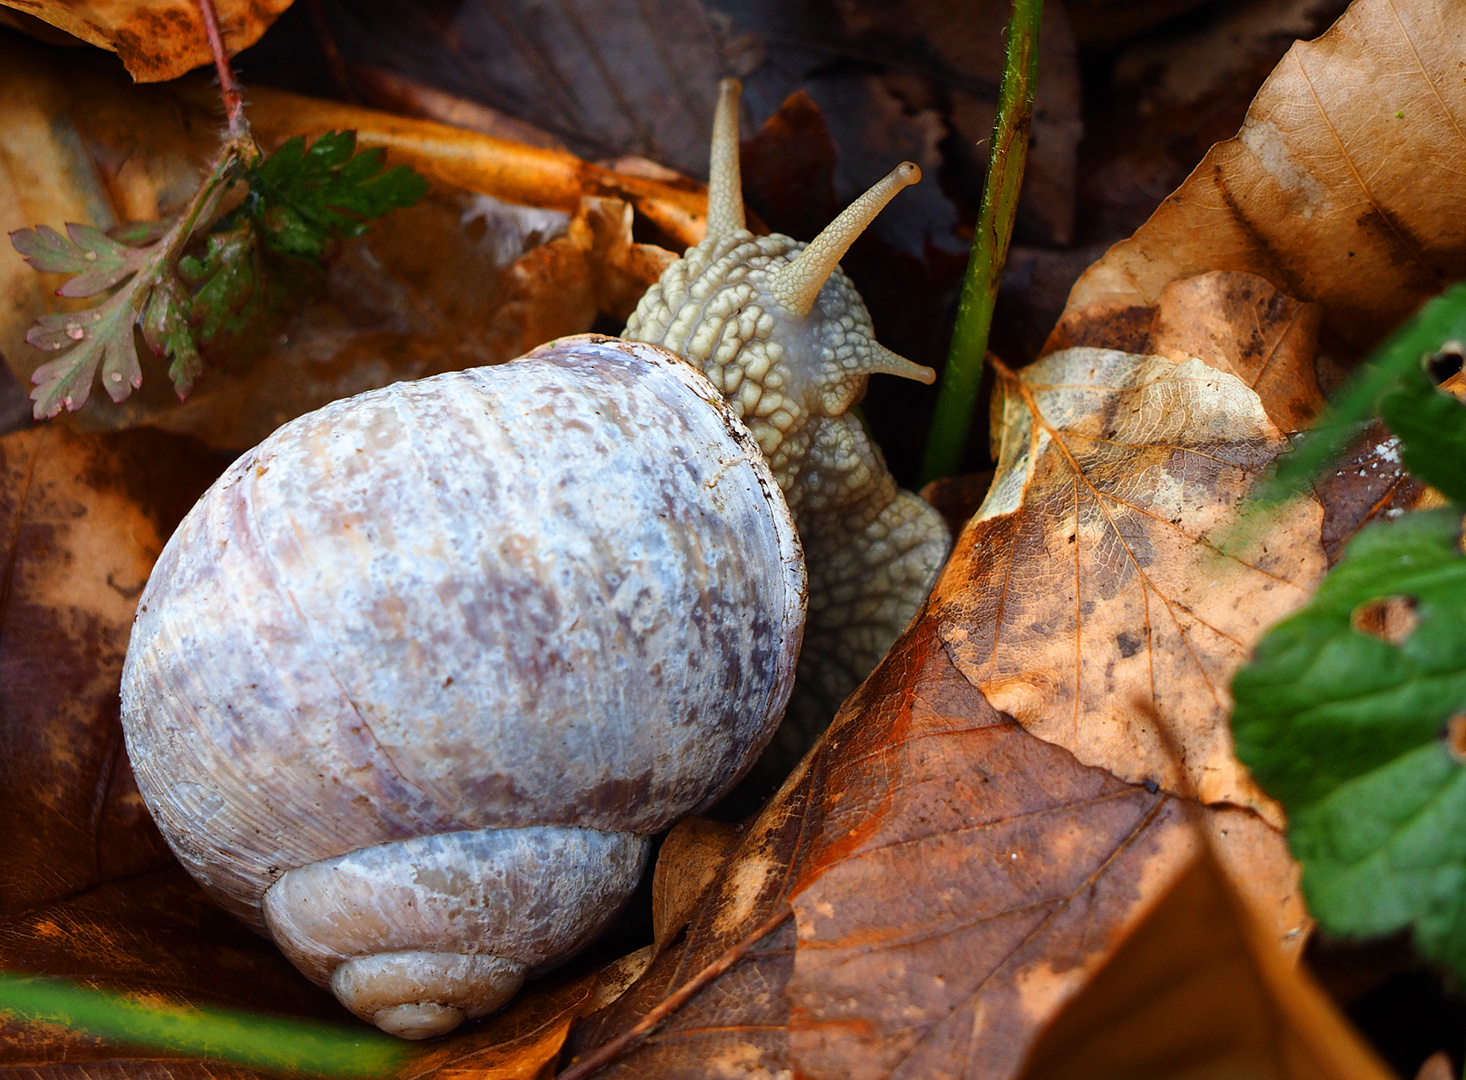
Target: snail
{"x":412,"y":685}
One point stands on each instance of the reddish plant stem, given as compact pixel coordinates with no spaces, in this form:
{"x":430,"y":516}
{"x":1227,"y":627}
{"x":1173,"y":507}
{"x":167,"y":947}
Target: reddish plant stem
{"x":624,"y":1043}
{"x":228,"y":87}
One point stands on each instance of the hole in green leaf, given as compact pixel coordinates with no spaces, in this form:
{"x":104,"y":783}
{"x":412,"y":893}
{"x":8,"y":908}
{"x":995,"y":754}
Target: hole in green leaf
{"x":1446,"y":362}
{"x":1389,"y":618}
{"x":1455,"y":738}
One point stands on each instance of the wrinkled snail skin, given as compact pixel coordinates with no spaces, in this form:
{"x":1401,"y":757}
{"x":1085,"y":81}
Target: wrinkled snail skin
{"x":414,"y":681}
{"x":781,"y":332}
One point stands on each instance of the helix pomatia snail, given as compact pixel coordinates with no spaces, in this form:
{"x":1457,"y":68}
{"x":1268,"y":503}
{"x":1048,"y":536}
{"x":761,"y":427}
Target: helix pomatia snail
{"x":415,"y":680}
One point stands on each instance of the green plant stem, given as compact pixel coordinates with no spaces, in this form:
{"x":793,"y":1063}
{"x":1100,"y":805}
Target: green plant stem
{"x":267,"y":1042}
{"x":1006,"y":159}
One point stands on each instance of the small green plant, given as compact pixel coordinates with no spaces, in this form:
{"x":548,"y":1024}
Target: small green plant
{"x":1353,"y":712}
{"x":201,"y":278}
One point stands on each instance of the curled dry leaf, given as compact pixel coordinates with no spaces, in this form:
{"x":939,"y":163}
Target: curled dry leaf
{"x":156,"y":40}
{"x":508,"y":170}
{"x":1091,"y":597}
{"x":687,"y":863}
{"x":1344,"y":187}
{"x":1199,"y":964}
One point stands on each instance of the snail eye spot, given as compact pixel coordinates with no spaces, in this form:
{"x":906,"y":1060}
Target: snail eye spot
{"x":1389,"y":618}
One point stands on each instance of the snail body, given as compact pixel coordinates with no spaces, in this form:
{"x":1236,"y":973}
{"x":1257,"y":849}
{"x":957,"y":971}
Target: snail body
{"x":414,"y":682}
{"x":782,"y":333}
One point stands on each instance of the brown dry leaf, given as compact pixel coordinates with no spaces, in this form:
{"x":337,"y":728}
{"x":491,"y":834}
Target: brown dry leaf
{"x":1236,"y":322}
{"x":429,"y":289}
{"x":608,"y":77}
{"x":1088,"y":598}
{"x":1174,"y":92}
{"x":688,"y":862}
{"x":157,"y":39}
{"x":82,"y":520}
{"x":788,"y":169}
{"x":1248,"y":328}
{"x":1199,"y":991}
{"x":953,"y":881}
{"x":1346,"y":186}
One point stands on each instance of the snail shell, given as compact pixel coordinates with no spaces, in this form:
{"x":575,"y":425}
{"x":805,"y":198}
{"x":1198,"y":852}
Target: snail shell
{"x":415,"y":679}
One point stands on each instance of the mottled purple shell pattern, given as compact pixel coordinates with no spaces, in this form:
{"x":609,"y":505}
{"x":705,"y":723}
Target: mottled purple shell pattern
{"x":561,"y":591}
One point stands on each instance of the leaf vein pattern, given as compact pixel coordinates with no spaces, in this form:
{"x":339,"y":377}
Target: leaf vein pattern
{"x":1406,"y":242}
{"x":1032,"y":935}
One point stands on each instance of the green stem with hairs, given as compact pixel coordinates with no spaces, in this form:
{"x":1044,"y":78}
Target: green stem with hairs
{"x":1006,"y":159}
{"x":257,"y":1040}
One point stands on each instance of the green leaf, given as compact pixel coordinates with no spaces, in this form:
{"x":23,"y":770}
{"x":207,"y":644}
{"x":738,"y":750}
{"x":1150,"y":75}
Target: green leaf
{"x":99,"y":261}
{"x":167,"y":330}
{"x":1431,"y":425}
{"x":304,"y":199}
{"x":227,"y":278}
{"x":1391,"y":371}
{"x":1344,"y":726}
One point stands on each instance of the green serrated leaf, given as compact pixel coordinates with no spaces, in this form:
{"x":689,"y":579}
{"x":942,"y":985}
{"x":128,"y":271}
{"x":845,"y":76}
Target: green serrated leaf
{"x":98,"y":261}
{"x":1344,"y":726}
{"x":226,"y":279}
{"x":167,"y":330}
{"x":106,"y":342}
{"x":304,"y":199}
{"x":1431,"y":425}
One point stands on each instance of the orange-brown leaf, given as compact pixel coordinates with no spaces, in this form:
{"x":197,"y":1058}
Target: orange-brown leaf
{"x":1201,"y":989}
{"x":954,"y":880}
{"x":156,"y":40}
{"x":81,"y":521}
{"x":1345,"y":186}
{"x":1090,"y":598}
